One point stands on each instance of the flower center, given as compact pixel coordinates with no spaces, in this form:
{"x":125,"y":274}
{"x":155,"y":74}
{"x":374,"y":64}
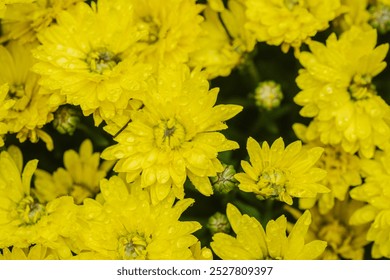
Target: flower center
{"x":29,"y":211}
{"x":151,"y":28}
{"x":80,"y":192}
{"x":102,"y":60}
{"x":361,"y":87}
{"x":290,"y":4}
{"x":133,"y":246}
{"x":272,"y":183}
{"x":17,"y":92}
{"x":169,"y":134}
{"x":333,"y":159}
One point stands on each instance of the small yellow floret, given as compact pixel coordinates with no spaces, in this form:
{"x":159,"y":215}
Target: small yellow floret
{"x":25,"y":220}
{"x":338,"y":93}
{"x":175,"y":135}
{"x":281,"y":173}
{"x":289,"y":23}
{"x":253,"y":243}
{"x":126,"y":226}
{"x":375,"y":191}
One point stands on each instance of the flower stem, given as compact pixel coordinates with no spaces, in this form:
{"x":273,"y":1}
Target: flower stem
{"x":250,"y":72}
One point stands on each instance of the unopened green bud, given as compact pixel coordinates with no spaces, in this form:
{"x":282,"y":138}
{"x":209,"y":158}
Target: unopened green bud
{"x":66,"y":120}
{"x":268,"y":95}
{"x":218,"y":223}
{"x":380,"y":17}
{"x":224,"y":182}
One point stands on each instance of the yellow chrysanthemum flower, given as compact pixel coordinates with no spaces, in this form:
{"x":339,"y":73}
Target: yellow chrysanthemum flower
{"x":224,"y":41}
{"x":253,"y":243}
{"x":87,"y":56}
{"x":337,"y":91}
{"x":345,"y":241}
{"x":36,"y":252}
{"x":80,"y":178}
{"x":376,"y":192}
{"x":342,"y":173}
{"x":355,"y":14}
{"x":289,"y":22}
{"x":281,"y":173}
{"x":27,"y":110}
{"x":170,"y":29}
{"x":23,"y":21}
{"x":174,"y":135}
{"x":23,"y":219}
{"x":127,"y":226}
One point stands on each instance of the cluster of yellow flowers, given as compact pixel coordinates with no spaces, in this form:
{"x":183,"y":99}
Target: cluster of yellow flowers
{"x":143,"y":72}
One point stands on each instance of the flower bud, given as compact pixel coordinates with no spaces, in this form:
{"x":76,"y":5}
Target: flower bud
{"x":268,"y":95}
{"x":66,"y":120}
{"x":380,"y":17}
{"x":224,"y":182}
{"x":218,"y":223}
